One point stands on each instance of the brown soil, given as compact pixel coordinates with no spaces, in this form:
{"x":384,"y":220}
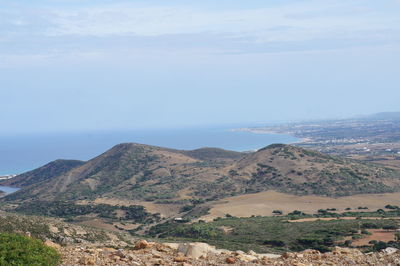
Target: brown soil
{"x":377,"y":234}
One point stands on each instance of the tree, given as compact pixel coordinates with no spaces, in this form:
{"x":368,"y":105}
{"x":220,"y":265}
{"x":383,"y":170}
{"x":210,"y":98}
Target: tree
{"x":389,"y":227}
{"x":397,"y":236}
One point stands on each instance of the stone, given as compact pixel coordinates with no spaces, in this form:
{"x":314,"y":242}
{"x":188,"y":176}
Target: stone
{"x":222,"y":251}
{"x":271,"y":256}
{"x":142,"y":244}
{"x":87,"y":261}
{"x":230,"y":260}
{"x":389,"y":250}
{"x":180,"y":259}
{"x":196,"y":250}
{"x":172,"y":245}
{"x":239,"y":252}
{"x":52,"y":244}
{"x":119,"y":253}
{"x":156,"y":254}
{"x":252,"y":253}
{"x":109,"y":249}
{"x":246,"y":258}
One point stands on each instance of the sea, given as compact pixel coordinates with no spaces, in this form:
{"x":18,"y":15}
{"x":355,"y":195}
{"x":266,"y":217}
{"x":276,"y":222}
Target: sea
{"x":21,"y":153}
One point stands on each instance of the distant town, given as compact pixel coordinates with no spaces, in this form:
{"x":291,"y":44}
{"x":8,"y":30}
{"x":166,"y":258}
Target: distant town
{"x":5,"y":177}
{"x":372,"y":138}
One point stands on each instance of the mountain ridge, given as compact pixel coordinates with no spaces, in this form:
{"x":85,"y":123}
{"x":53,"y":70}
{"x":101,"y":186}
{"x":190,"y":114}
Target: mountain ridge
{"x":142,"y":172}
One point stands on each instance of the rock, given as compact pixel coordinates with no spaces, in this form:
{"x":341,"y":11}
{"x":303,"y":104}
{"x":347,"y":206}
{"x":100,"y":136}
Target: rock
{"x":246,"y":258}
{"x":252,"y":253}
{"x":156,"y":254}
{"x":172,"y":245}
{"x":196,"y":250}
{"x":87,"y":261}
{"x":118,"y":253}
{"x":109,"y":249}
{"x":130,"y":257}
{"x":53,"y":229}
{"x":162,"y":248}
{"x":142,"y":244}
{"x":180,"y":259}
{"x":222,"y":251}
{"x":230,"y":260}
{"x":52,"y":244}
{"x":270,"y":256}
{"x":389,"y":250}
{"x":239,"y":252}
{"x":339,"y":250}
{"x":93,"y":255}
{"x":287,"y":255}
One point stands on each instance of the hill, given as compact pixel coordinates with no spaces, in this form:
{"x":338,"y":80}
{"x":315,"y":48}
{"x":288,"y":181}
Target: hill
{"x":41,"y":174}
{"x":383,"y":116}
{"x":300,"y":171}
{"x":209,"y":154}
{"x":129,"y":171}
{"x":141,"y":172}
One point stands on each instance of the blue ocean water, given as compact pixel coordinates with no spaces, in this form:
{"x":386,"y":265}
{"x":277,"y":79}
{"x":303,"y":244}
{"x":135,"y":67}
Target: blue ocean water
{"x":8,"y":190}
{"x":20,"y":153}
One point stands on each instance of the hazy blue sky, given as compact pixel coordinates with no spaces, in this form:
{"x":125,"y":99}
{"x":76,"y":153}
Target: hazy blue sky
{"x":84,"y":65}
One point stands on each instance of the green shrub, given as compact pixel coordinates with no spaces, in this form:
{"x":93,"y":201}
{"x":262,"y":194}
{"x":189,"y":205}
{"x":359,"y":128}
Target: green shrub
{"x":186,"y":208}
{"x":389,"y":227}
{"x":379,"y":246}
{"x":20,"y":250}
{"x":392,"y":207}
{"x":365,"y":232}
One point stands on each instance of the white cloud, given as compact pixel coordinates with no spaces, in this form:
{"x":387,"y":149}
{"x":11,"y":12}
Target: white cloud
{"x":114,"y":29}
{"x":296,"y":22}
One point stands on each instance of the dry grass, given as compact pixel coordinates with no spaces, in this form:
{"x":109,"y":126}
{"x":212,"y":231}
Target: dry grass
{"x":264,"y":203}
{"x":165,"y":210}
{"x":340,"y":218}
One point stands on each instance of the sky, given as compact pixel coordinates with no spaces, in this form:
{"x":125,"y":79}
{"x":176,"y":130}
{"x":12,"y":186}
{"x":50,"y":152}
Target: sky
{"x":74,"y":65}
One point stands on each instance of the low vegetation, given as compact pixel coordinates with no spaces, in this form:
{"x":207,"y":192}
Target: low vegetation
{"x":65,"y":209}
{"x":21,"y":250}
{"x":141,"y":172}
{"x":276,"y":234}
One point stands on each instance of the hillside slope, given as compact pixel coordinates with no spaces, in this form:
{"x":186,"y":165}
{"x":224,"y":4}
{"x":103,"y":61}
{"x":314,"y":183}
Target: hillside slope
{"x":301,"y":171}
{"x":41,"y":174}
{"x":141,"y":172}
{"x":129,"y":171}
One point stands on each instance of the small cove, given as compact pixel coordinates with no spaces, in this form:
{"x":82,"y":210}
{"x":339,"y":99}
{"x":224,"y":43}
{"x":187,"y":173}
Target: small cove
{"x":8,"y":190}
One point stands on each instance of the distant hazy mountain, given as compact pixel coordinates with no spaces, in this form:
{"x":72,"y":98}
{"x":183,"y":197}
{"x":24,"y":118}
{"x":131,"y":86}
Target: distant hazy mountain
{"x":142,"y":172}
{"x":383,"y":116}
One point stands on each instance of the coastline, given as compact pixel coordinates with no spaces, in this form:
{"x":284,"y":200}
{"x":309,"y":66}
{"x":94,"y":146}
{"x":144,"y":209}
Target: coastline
{"x":261,"y":131}
{"x":27,"y":153}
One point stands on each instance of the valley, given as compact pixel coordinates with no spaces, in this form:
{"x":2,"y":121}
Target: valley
{"x":265,"y":203}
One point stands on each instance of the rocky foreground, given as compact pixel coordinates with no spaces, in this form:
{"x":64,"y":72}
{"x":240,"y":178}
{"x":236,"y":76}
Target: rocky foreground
{"x":185,"y":254}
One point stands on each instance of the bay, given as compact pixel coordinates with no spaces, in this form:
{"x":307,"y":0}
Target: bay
{"x":22,"y":153}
